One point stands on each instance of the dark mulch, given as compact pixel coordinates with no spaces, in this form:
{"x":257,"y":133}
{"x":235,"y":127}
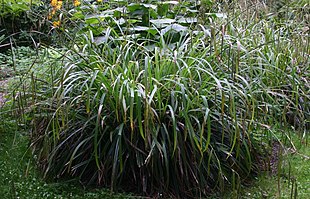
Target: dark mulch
{"x":3,"y":84}
{"x":270,"y":162}
{"x":274,"y":157}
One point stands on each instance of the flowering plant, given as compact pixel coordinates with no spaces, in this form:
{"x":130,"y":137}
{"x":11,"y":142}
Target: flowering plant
{"x":57,"y":5}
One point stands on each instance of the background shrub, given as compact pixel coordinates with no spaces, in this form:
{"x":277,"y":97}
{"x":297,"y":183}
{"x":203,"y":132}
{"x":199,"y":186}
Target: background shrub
{"x":23,"y":22}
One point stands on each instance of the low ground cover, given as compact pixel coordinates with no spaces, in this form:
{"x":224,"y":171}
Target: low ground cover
{"x":291,"y":176}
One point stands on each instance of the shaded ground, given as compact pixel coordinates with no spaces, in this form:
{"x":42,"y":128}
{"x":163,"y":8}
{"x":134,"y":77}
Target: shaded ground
{"x":3,"y":84}
{"x":274,"y":157}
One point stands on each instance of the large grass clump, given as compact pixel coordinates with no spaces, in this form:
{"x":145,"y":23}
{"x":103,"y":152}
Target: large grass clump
{"x":161,"y":121}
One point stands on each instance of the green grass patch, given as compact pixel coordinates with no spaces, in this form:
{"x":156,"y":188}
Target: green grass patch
{"x":293,"y":179}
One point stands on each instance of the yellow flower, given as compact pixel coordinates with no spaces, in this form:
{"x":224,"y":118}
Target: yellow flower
{"x":76,"y":3}
{"x":59,"y":4}
{"x":99,"y":1}
{"x":51,"y":14}
{"x":56,"y":24}
{"x":54,"y":3}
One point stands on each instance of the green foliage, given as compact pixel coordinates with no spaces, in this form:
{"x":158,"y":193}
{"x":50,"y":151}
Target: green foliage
{"x":134,"y":19}
{"x":14,"y":8}
{"x":152,"y":98}
{"x":22,"y":23}
{"x":19,"y":175}
{"x":118,"y":118}
{"x":165,"y":119}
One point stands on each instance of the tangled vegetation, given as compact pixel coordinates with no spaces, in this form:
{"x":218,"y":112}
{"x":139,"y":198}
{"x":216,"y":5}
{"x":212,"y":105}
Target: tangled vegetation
{"x":172,"y":98}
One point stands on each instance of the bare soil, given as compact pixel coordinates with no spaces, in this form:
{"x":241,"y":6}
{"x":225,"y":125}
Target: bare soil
{"x":274,"y":157}
{"x":3,"y":85}
{"x":270,"y":162}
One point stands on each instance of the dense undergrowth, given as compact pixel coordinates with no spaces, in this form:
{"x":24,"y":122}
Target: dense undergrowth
{"x":23,"y":23}
{"x":159,"y":100}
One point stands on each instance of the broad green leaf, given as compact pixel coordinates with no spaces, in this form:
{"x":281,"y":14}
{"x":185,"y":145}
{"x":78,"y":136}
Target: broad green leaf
{"x":169,"y":2}
{"x":217,"y":15}
{"x":162,"y":22}
{"x":173,"y":27}
{"x":187,"y":20}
